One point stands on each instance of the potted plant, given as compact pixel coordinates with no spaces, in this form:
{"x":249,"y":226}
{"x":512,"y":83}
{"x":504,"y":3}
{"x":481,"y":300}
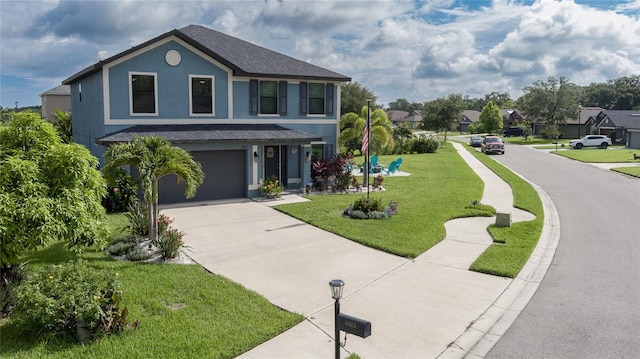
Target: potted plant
{"x":270,"y":187}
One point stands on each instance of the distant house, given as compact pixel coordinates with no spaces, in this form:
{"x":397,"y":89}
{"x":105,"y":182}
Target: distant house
{"x":412,"y":119}
{"x":58,"y":97}
{"x":243,"y":111}
{"x":511,"y":118}
{"x":468,"y":117}
{"x":580,"y":125}
{"x":621,"y":125}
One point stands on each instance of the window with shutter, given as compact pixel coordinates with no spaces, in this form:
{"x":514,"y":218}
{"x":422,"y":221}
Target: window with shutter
{"x":316,"y":99}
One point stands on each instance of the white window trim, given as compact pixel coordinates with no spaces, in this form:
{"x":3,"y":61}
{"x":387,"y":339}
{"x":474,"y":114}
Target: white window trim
{"x":155,"y":92}
{"x":213,"y":96}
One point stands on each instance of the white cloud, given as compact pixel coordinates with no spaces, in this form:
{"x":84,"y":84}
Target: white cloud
{"x":417,"y":50}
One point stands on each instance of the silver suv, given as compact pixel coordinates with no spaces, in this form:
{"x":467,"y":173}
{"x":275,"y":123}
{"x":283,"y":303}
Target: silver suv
{"x":599,"y":141}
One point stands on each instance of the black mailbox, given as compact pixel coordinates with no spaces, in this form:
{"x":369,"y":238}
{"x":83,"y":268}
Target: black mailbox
{"x":353,"y":325}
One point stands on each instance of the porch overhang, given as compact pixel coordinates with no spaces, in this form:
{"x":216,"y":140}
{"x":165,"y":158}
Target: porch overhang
{"x":211,"y":133}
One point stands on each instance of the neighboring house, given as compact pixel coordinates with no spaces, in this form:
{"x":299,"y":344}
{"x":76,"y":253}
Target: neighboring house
{"x":623,"y":126}
{"x":244,"y":112}
{"x":59,"y":98}
{"x":467,"y":118}
{"x":511,"y":118}
{"x":581,"y":125}
{"x":399,"y":117}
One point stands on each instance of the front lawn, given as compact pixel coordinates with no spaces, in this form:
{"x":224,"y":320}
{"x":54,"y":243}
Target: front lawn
{"x":595,"y":155}
{"x":440,"y":188}
{"x":631,"y":171}
{"x":184,"y":312}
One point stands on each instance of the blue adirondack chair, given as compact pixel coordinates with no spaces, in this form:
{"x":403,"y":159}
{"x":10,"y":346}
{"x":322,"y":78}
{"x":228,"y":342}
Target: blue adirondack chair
{"x":398,"y":163}
{"x":374,"y":161}
{"x":393,"y":167}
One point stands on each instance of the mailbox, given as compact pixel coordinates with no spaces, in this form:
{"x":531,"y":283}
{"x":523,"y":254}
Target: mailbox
{"x":353,"y":325}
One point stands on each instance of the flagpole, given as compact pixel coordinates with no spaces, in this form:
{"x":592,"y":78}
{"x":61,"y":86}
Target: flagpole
{"x":368,"y":143}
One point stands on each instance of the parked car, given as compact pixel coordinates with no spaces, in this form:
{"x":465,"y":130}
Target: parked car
{"x":492,"y":144}
{"x":513,"y":131}
{"x":599,"y":141}
{"x":475,"y":141}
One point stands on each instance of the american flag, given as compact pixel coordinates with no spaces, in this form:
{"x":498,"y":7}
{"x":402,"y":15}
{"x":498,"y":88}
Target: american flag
{"x":365,"y":139}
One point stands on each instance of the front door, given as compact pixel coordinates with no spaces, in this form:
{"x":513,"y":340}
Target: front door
{"x":272,"y":161}
{"x":275,"y":163}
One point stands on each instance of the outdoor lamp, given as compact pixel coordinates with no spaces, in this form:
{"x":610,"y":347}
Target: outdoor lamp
{"x":308,"y":156}
{"x":336,"y":293}
{"x":336,"y":288}
{"x":255,"y":156}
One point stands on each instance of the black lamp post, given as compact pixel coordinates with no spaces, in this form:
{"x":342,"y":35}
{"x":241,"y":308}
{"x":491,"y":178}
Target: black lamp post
{"x":336,"y":293}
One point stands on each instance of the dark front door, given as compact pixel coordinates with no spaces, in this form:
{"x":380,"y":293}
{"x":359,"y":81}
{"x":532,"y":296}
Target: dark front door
{"x":275,"y":163}
{"x":272,"y":161}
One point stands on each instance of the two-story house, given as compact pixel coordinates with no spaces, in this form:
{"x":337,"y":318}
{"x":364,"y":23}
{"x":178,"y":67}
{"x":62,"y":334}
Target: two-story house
{"x":243,"y":111}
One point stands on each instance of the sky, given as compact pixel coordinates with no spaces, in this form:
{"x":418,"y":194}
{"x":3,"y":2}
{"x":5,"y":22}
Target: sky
{"x":418,"y":50}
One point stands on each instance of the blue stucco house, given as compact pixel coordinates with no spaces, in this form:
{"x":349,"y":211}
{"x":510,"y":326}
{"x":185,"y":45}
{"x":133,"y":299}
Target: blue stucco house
{"x":243,"y":111}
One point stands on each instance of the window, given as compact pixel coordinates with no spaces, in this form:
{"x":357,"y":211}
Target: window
{"x":143,"y":94}
{"x":316,"y":99}
{"x":201,"y":91}
{"x":268,"y":97}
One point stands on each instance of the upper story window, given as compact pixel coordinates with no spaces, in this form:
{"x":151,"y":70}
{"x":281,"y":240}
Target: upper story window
{"x":316,"y":99}
{"x":201,"y":95}
{"x":267,"y":97}
{"x":143,"y":93}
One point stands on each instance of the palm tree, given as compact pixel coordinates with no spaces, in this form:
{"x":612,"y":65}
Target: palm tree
{"x":154,"y":158}
{"x":352,"y":130}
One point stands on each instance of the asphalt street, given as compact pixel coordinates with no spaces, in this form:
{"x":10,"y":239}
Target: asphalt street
{"x":588,"y":305}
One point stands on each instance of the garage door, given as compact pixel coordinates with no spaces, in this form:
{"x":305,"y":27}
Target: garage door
{"x":225,"y":176}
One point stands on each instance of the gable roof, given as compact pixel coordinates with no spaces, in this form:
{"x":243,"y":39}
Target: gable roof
{"x":60,"y":90}
{"x":210,"y":132}
{"x":471,"y":115}
{"x":242,"y":57}
{"x":621,"y":119}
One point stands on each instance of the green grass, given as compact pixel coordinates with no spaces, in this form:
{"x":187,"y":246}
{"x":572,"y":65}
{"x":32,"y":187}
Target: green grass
{"x":513,"y":245}
{"x":595,"y":155}
{"x":439,"y":188}
{"x":631,"y":171}
{"x":185,"y":312}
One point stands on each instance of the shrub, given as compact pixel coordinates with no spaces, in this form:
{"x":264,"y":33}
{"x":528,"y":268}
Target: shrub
{"x":367,"y":205}
{"x":169,"y":243}
{"x":123,"y":192}
{"x":138,"y":216}
{"x":425,"y":145}
{"x":270,"y":187}
{"x":62,"y":299}
{"x":357,"y":214}
{"x":136,"y":253}
{"x":121,"y":248}
{"x":377,"y":215}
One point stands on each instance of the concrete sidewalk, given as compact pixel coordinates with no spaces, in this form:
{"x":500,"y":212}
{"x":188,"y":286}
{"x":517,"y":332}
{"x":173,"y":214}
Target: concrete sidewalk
{"x":422,"y":308}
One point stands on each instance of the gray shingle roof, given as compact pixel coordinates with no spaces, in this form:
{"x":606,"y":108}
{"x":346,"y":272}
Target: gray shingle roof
{"x":244,"y":58}
{"x":211,"y":133}
{"x":622,"y":118}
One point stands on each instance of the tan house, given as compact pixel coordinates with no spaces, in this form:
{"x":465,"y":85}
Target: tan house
{"x":59,"y":98}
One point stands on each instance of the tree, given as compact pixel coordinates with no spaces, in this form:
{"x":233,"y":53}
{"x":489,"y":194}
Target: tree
{"x":62,"y":123}
{"x":49,"y":190}
{"x":354,"y":96}
{"x":440,"y":114}
{"x":352,"y":130}
{"x":154,"y":158}
{"x":490,"y":118}
{"x":403,"y":104}
{"x":553,"y":101}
